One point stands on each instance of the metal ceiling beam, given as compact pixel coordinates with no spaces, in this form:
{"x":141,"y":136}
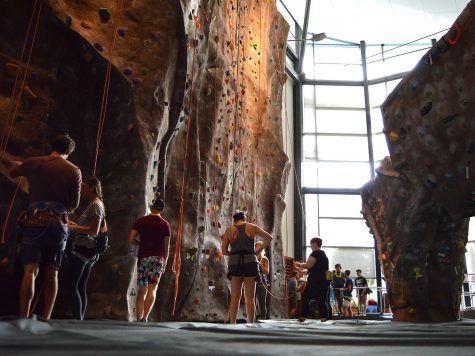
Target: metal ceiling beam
{"x":304,"y":36}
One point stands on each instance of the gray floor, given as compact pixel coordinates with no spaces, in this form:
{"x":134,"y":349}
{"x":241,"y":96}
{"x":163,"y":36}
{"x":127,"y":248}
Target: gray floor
{"x":344,"y":337}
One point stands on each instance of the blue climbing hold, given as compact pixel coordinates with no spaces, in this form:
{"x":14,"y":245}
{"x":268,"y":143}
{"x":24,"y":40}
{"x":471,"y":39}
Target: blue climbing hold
{"x":104,"y":15}
{"x":98,"y":46}
{"x":127,"y":71}
{"x":121,"y":32}
{"x":68,"y":21}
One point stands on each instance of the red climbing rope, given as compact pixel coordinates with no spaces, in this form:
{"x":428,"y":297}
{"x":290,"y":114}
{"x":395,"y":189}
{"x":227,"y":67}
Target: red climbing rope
{"x":176,"y":266}
{"x":105,"y":93}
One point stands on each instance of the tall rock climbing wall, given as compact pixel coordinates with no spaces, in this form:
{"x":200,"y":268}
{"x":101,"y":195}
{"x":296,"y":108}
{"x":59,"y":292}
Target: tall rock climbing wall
{"x":419,"y":204}
{"x":192,"y":104}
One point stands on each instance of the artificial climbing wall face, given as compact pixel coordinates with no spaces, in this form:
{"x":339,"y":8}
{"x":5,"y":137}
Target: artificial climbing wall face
{"x":419,"y":204}
{"x":235,"y":158}
{"x":204,"y":77}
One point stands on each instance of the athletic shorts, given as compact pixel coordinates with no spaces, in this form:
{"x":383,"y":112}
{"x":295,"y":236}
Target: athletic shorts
{"x":346,"y":302}
{"x":42,"y":254}
{"x":149,"y":270}
{"x":243,"y":270}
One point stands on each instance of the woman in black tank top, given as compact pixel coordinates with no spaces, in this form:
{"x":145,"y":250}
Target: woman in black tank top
{"x":242,"y":263}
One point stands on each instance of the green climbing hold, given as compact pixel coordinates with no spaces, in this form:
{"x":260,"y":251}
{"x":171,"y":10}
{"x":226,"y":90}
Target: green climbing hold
{"x":201,"y":229}
{"x":104,"y":14}
{"x":144,"y":71}
{"x":208,"y":91}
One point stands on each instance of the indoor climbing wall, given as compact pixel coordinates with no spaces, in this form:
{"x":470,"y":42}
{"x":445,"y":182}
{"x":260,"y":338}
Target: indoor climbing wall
{"x":418,"y":206}
{"x":185,"y":99}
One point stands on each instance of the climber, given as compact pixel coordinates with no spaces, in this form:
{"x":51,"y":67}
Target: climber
{"x":54,"y":190}
{"x":242,"y":264}
{"x":152,"y":255}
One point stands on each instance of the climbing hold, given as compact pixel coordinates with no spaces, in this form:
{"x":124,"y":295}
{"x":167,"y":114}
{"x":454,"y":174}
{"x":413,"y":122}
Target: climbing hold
{"x":197,"y":300}
{"x":394,"y":136}
{"x":201,"y":229}
{"x":192,"y":195}
{"x":98,"y":46}
{"x":104,"y":14}
{"x":197,"y":24}
{"x":127,"y":71}
{"x":208,"y":91}
{"x":121,"y":32}
{"x":191,"y":252}
{"x":136,"y":82}
{"x":11,"y":69}
{"x":426,"y":108}
{"x":86,"y":24}
{"x":203,"y":269}
{"x":68,"y":20}
{"x":417,"y":272}
{"x":259,"y":173}
{"x":130,"y":127}
{"x":29,"y":94}
{"x":208,"y":210}
{"x":144,"y":71}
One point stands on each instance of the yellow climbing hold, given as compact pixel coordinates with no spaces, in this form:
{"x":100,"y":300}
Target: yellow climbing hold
{"x":259,"y":173}
{"x":417,"y":271}
{"x":393,"y":136}
{"x":412,"y":310}
{"x":215,"y":207}
{"x":86,"y":24}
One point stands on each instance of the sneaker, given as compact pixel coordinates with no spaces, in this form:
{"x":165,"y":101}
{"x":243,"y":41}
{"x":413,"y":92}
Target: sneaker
{"x":301,"y":319}
{"x":323,"y":320}
{"x":143,"y":320}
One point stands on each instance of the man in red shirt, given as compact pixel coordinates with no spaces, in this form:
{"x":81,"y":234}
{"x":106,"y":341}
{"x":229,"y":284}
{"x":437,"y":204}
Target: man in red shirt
{"x":152,"y":256}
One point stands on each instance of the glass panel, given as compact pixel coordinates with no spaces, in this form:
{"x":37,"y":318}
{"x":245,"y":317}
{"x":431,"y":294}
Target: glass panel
{"x":352,"y":259}
{"x":309,"y":120}
{"x":377,"y":124}
{"x":309,"y":147}
{"x":342,"y":148}
{"x":339,"y":96}
{"x":337,"y":174}
{"x":470,"y":257}
{"x":336,"y":205}
{"x":377,"y":94}
{"x":309,"y":175}
{"x":341,"y":121}
{"x":337,"y":62}
{"x":343,"y":232}
{"x":309,"y":96}
{"x":311,"y":216}
{"x":471,"y":230}
{"x":380,"y":147}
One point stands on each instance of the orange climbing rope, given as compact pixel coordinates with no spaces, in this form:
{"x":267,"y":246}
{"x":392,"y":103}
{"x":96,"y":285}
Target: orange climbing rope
{"x":176,"y":266}
{"x":15,"y":102}
{"x":105,"y":93}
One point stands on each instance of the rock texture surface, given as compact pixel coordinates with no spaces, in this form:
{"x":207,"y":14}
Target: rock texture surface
{"x":419,"y":204}
{"x":207,"y":75}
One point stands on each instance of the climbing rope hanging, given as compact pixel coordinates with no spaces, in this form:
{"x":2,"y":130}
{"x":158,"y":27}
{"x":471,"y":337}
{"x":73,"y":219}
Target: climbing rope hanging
{"x":15,"y":102}
{"x":176,"y":266}
{"x":105,"y":93}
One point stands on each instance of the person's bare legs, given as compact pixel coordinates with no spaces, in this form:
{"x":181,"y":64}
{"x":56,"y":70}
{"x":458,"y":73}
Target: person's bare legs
{"x":50,"y":289}
{"x":236,"y":287}
{"x":141,"y":295}
{"x":27,"y":290}
{"x":150,"y":299}
{"x":249,"y":294}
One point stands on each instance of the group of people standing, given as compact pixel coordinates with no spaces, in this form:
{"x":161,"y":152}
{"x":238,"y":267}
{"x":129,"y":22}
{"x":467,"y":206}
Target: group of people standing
{"x":55,"y":189}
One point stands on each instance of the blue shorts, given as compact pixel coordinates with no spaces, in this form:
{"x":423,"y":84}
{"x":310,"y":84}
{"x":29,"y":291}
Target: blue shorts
{"x":42,"y":254}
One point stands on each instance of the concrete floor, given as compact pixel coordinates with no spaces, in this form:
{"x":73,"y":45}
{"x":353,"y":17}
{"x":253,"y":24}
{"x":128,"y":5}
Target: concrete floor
{"x":283,"y":337}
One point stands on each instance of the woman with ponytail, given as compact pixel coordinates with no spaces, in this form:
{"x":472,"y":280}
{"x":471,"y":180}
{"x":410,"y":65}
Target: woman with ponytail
{"x":83,"y":255}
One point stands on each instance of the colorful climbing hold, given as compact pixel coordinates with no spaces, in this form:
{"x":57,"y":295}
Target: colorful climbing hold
{"x":104,"y":14}
{"x":68,"y":20}
{"x":98,"y":46}
{"x":201,"y":229}
{"x":127,"y":71}
{"x":208,"y":91}
{"x":144,"y":71}
{"x":86,"y":24}
{"x":394,"y":136}
{"x":121,"y":32}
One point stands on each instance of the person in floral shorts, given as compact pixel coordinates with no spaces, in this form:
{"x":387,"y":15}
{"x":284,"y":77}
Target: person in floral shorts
{"x":152,"y":234}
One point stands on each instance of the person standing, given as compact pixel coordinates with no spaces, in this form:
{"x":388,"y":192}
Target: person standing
{"x":243,"y":267}
{"x":262,"y":283}
{"x":347,"y":294}
{"x":317,"y":284}
{"x":83,"y":255}
{"x":338,"y":283}
{"x":152,"y":256}
{"x":54,"y":190}
{"x":361,"y":291}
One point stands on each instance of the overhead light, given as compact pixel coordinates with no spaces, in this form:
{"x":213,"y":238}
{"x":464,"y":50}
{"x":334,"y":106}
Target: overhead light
{"x":318,"y":37}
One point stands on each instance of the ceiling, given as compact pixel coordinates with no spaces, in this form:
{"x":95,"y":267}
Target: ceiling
{"x":378,"y":21}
